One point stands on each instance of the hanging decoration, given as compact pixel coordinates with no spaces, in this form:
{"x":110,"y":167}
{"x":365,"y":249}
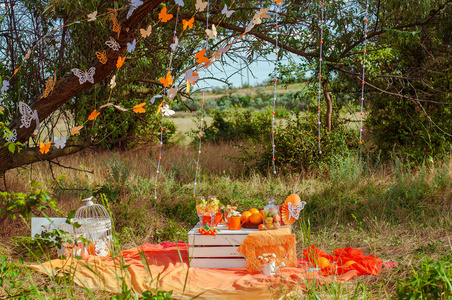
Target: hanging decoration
{"x":199,"y":147}
{"x":363,"y":82}
{"x":320,"y":73}
{"x":227,"y":12}
{"x":28,"y":115}
{"x":113,"y":44}
{"x":147,"y":32}
{"x":84,"y":76}
{"x":49,"y":86}
{"x":92,"y":16}
{"x":134,"y":4}
{"x":11,"y":137}
{"x":102,"y":57}
{"x":274,"y":92}
{"x":60,"y":144}
{"x":44,"y":148}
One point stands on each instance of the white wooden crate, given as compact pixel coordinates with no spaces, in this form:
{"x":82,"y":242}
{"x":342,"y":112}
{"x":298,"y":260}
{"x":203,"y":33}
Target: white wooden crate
{"x":217,"y":252}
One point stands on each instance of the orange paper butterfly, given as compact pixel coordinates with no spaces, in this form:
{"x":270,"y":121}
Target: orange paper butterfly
{"x":76,"y":130}
{"x":138,"y":109}
{"x":200,"y":58}
{"x":159,"y":108}
{"x":93,"y":115}
{"x":188,"y":23}
{"x":102,"y":56}
{"x":116,"y":26}
{"x":278,"y":1}
{"x":44,"y":149}
{"x":49,"y":86}
{"x":168,"y":81}
{"x":120,"y":61}
{"x":163,"y":16}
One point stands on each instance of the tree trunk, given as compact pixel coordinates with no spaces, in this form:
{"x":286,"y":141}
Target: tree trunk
{"x":69,"y":86}
{"x":329,"y":105}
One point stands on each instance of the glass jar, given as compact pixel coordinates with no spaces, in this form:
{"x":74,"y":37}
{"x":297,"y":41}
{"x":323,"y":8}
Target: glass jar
{"x":272,"y":218}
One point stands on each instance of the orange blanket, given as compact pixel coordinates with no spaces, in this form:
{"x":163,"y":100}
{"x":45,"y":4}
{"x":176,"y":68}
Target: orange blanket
{"x":165,"y":267}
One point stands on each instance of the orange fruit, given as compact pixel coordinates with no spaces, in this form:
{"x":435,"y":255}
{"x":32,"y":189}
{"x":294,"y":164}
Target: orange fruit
{"x":262,"y":213}
{"x":261,"y":227}
{"x":253,"y":210}
{"x":245,"y":217}
{"x":256,"y":218}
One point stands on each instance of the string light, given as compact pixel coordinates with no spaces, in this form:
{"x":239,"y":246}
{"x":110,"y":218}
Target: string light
{"x":173,"y":49}
{"x":320,"y":73}
{"x":363,"y":82}
{"x":274,"y":93}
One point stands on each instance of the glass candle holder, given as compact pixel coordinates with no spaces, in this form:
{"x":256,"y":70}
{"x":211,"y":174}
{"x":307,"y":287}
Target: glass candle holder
{"x":200,"y":207}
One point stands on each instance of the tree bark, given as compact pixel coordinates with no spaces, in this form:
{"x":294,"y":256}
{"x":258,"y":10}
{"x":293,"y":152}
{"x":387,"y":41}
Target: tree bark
{"x":69,"y":86}
{"x":329,"y":105}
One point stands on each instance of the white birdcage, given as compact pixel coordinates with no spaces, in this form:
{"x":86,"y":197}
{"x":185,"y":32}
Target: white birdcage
{"x":94,"y":224}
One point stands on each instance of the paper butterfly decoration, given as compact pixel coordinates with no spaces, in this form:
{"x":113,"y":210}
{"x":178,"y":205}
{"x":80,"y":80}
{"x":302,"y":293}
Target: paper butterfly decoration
{"x":262,"y":13}
{"x":163,"y":16}
{"x":114,"y":105}
{"x":188,"y":86}
{"x":84,"y":76}
{"x":212,"y":33}
{"x":159,"y":108}
{"x":209,"y":63}
{"x":172,"y":92}
{"x":116,"y":26}
{"x":93,"y":115}
{"x":201,"y":6}
{"x":173,"y":46}
{"x":76,"y":130}
{"x":200,"y":58}
{"x":133,"y":5}
{"x":179,"y":2}
{"x":147,"y":32}
{"x":28,"y":115}
{"x":102,"y":56}
{"x":278,"y":1}
{"x":155,"y":97}
{"x":166,"y":111}
{"x":131,"y":47}
{"x":249,"y":27}
{"x":5,"y":86}
{"x":227,"y":12}
{"x":113,"y":44}
{"x":138,"y":109}
{"x":60,"y":144}
{"x":120,"y":61}
{"x":223,"y":50}
{"x":44,"y":148}
{"x":216,"y":55}
{"x":113,"y":82}
{"x":11,"y":137}
{"x":168,"y":81}
{"x":49,"y":86}
{"x":92,"y":16}
{"x":191,"y":76}
{"x":188,"y":23}
{"x":295,"y":209}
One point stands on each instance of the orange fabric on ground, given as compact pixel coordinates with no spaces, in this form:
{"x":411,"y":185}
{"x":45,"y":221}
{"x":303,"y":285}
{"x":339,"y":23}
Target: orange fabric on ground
{"x":279,"y":241}
{"x":165,"y":267}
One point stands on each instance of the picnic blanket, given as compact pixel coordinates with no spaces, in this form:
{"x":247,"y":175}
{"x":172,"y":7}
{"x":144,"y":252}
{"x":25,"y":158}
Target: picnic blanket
{"x":166,"y":267}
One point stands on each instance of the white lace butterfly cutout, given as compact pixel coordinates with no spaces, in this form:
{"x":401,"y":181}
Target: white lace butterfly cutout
{"x":294,"y":210}
{"x":113,"y":44}
{"x":101,"y":248}
{"x":227,"y":12}
{"x":28,"y":115}
{"x":166,"y":111}
{"x":84,"y":76}
{"x":11,"y":137}
{"x":133,"y":5}
{"x":60,"y":143}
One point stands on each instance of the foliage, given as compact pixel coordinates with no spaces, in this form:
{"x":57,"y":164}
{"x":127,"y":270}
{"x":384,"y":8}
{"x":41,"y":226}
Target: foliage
{"x":429,"y":280}
{"x":20,"y":204}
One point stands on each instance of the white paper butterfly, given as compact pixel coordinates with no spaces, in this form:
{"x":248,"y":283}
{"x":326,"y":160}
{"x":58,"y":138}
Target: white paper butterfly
{"x":131,"y":47}
{"x":5,"y":86}
{"x":92,"y":16}
{"x":227,"y":12}
{"x":113,"y":44}
{"x":173,"y":46}
{"x":179,"y":2}
{"x":113,"y":82}
{"x":84,"y":76}
{"x":294,"y":210}
{"x":28,"y":115}
{"x":133,"y":5}
{"x":166,"y":111}
{"x":249,"y":27}
{"x":189,"y":76}
{"x":212,"y":33}
{"x":59,"y":143}
{"x":11,"y":137}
